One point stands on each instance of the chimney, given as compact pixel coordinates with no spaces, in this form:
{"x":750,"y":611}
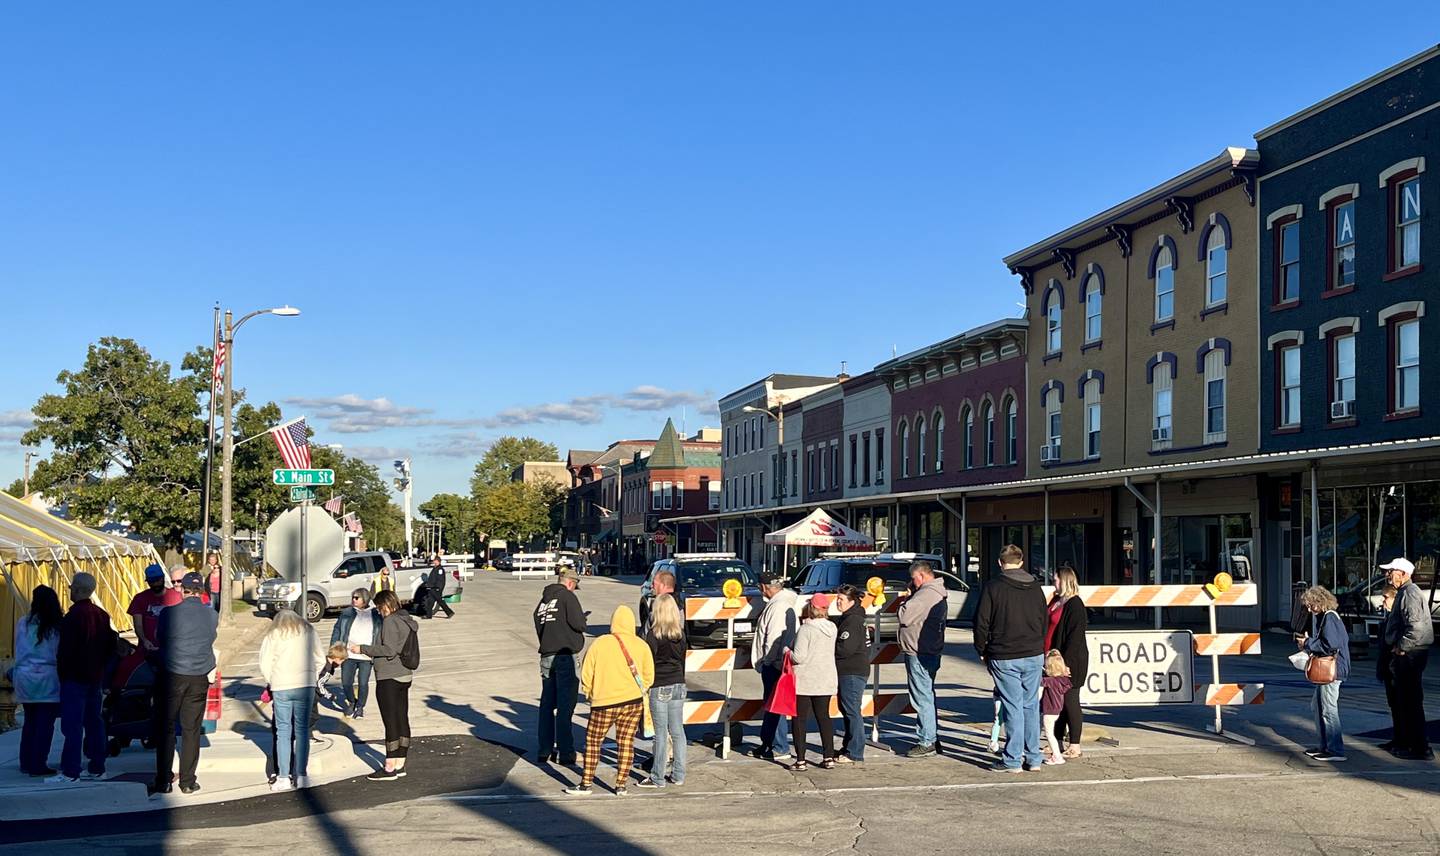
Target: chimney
{"x":844,"y":375}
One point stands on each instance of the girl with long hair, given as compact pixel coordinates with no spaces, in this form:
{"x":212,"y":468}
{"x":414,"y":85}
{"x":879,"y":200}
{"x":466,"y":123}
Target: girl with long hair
{"x":291,"y":659}
{"x":667,"y":696}
{"x":37,"y":680}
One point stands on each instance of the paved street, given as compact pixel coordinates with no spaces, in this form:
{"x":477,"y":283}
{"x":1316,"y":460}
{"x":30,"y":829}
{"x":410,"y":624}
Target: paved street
{"x":1157,"y":784}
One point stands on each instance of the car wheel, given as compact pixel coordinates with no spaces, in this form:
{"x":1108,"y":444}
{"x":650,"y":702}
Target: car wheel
{"x":314,"y":608}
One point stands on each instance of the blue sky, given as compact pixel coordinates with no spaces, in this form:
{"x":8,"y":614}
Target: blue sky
{"x":574,"y":220}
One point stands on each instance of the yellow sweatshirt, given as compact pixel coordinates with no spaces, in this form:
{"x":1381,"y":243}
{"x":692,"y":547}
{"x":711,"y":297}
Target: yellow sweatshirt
{"x":605,"y":677}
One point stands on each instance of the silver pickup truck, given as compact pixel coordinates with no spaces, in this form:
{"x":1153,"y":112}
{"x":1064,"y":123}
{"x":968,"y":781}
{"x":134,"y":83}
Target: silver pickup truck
{"x":331,"y":591}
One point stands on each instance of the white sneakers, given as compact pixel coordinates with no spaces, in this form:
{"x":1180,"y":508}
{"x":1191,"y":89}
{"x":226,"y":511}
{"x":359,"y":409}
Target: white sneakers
{"x":281,"y":784}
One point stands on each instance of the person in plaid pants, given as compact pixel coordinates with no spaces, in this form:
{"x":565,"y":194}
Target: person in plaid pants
{"x":616,"y":678}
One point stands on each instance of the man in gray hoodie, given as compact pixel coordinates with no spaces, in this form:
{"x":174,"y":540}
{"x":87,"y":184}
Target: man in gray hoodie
{"x":774,"y":632}
{"x":1408,"y":633}
{"x":922,"y":638}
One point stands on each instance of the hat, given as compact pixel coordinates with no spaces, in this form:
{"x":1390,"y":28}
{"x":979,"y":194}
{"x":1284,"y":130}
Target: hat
{"x":568,"y":573}
{"x":1399,"y":563}
{"x":192,"y":580}
{"x":821,"y":600}
{"x":772,"y":578}
{"x":154,"y":572}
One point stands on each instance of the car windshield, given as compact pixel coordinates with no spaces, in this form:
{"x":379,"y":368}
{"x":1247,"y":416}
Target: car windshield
{"x":713,"y":573}
{"x":895,"y":574}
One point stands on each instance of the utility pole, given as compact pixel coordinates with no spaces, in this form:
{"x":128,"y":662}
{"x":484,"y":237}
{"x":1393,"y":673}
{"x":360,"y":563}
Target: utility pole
{"x":405,"y":486}
{"x":221,"y":360}
{"x":28,"y":455}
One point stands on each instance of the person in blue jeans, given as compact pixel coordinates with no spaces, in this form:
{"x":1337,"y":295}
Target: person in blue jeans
{"x":36,"y":680}
{"x":359,"y":624}
{"x":1010,"y":625}
{"x":922,"y":638}
{"x":86,"y":645}
{"x":290,"y":661}
{"x":852,"y":663}
{"x":666,"y":638}
{"x":774,"y":632}
{"x":1327,"y":638}
{"x":560,"y":629}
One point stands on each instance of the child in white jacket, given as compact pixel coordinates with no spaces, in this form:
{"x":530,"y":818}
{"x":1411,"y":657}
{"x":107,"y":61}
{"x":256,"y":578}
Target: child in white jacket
{"x":816,"y":680}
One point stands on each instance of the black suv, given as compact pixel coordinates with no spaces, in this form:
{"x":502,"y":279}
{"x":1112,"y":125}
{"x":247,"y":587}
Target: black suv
{"x":703,"y":575}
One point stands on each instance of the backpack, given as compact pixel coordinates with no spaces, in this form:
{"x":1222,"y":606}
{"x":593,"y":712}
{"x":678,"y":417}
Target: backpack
{"x":410,"y":652}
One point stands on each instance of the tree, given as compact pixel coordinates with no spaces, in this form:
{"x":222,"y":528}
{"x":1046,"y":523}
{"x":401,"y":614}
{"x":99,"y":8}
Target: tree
{"x":128,"y":441}
{"x":253,"y":484}
{"x":457,"y":515}
{"x":514,"y":511}
{"x":366,"y":495}
{"x":503,"y":456}
{"x":16,"y":488}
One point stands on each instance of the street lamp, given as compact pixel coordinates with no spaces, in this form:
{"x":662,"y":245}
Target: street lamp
{"x":227,"y":520}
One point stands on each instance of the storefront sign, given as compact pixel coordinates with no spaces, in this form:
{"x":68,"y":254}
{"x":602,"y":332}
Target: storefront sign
{"x":1139,"y":667}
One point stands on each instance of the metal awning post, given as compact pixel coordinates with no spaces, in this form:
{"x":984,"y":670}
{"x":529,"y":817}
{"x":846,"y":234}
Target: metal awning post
{"x":1045,"y":538}
{"x":1159,"y":528}
{"x":1314,"y":525}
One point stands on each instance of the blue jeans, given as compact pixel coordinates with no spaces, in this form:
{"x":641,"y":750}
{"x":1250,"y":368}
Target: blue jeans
{"x":355,"y":697}
{"x":37,"y":734}
{"x":920,"y":670}
{"x":1326,"y":705}
{"x":774,"y":728}
{"x":559,"y":685}
{"x":667,"y":709}
{"x":81,"y":721}
{"x":852,"y":696}
{"x":1018,"y":682}
{"x":292,"y":730}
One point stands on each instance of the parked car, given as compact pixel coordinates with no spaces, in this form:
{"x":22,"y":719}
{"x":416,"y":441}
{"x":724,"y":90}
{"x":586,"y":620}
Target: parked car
{"x":331,"y":591}
{"x":832,"y":570}
{"x":703,"y":575}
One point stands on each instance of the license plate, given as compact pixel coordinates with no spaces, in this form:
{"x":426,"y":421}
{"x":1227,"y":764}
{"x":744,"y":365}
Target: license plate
{"x":742,"y":626}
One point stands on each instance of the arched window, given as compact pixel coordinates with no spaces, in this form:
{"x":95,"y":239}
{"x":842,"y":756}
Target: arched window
{"x":1161,"y":427}
{"x":939,"y":441}
{"x":1012,"y":434}
{"x":967,"y":418}
{"x":1216,"y":261}
{"x":904,"y":450}
{"x":987,"y":422}
{"x":1093,"y":296}
{"x":1052,"y":426}
{"x":1164,"y":284}
{"x":920,"y":456}
{"x":1215,"y":396}
{"x":1052,"y":327}
{"x":1091,"y":393}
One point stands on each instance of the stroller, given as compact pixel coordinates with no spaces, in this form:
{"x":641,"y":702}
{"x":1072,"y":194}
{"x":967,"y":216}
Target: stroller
{"x":129,"y":707}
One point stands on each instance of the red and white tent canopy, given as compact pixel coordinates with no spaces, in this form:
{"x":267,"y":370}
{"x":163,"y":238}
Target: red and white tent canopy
{"x":819,"y":530}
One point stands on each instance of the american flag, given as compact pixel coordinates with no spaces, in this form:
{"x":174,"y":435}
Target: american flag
{"x":333,"y":505}
{"x":293,"y":442}
{"x":352,"y":523}
{"x":219,"y":363}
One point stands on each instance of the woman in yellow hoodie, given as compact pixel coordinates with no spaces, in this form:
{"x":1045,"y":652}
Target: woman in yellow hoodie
{"x":616,"y":678}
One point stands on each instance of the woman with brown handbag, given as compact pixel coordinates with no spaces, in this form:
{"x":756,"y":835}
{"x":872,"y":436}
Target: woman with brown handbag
{"x":1328,"y":645}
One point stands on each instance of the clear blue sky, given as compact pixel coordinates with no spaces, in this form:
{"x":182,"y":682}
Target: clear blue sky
{"x":510,"y":218}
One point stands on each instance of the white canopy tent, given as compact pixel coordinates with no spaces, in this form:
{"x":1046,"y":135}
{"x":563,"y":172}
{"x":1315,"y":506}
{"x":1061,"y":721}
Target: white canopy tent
{"x":817,"y":529}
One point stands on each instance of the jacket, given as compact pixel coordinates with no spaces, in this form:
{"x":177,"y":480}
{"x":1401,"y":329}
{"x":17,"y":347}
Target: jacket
{"x":852,"y":654}
{"x":187,"y":634}
{"x":774,"y":630}
{"x":291,"y":662}
{"x":669,"y":657}
{"x":341,"y":631}
{"x":559,"y":621}
{"x":1408,"y":626}
{"x":435,"y":581}
{"x":35,"y":677}
{"x":1328,"y":638}
{"x":605,"y":676}
{"x":814,"y":658}
{"x":382,"y":582}
{"x":922,"y":620}
{"x":395,"y":629}
{"x":86,"y":643}
{"x":1010,"y":621}
{"x":1069,"y":638}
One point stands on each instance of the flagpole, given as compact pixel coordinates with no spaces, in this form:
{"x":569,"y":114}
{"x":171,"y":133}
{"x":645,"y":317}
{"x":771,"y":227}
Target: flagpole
{"x":210,"y":445}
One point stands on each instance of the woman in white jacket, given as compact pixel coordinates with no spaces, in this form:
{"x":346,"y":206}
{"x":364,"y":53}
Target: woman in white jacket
{"x":816,"y":680}
{"x":36,"y":679}
{"x":290,"y":660}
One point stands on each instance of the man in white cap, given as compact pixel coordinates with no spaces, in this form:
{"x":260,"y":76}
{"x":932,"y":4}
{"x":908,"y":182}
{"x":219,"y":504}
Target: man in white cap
{"x":1408,"y":633}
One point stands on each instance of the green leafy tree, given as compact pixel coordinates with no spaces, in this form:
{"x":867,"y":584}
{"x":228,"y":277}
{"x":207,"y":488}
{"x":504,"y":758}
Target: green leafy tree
{"x":253,"y":484}
{"x":503,"y":456}
{"x":366,"y":495}
{"x":16,"y":488}
{"x":456,"y":513}
{"x":514,"y":511}
{"x":127,"y":441}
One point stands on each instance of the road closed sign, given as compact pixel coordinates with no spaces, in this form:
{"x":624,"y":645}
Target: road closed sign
{"x":1139,"y":667}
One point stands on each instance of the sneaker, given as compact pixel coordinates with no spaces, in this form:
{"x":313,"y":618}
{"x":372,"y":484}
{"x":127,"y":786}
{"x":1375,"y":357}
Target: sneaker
{"x":359,"y":713}
{"x":784,"y":758}
{"x":649,"y":785}
{"x":764,"y":753}
{"x":399,"y":772}
{"x":1329,"y":756}
{"x":1387,"y":746}
{"x":921,"y":750}
{"x":382,"y":776}
{"x":88,"y":776}
{"x":999,"y":767}
{"x":281,"y":785}
{"x":677,"y":783}
{"x":61,"y":779}
{"x":1314,"y":752}
{"x":302,"y":782}
{"x":621,"y":792}
{"x":1054,"y":761}
{"x":190,"y":789}
{"x":154,"y":790}
{"x":844,"y":759}
{"x":579,"y":790}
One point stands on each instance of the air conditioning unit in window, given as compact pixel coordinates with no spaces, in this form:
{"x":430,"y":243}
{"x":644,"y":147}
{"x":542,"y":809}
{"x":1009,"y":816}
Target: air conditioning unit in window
{"x":1342,"y":409}
{"x":1050,"y":454}
{"x":1160,"y":435}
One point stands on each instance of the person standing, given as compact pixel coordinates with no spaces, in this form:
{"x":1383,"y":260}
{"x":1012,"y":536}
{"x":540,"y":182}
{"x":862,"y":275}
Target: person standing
{"x":86,"y":645}
{"x":187,"y":643}
{"x":384,"y":581}
{"x":664,"y":583}
{"x":1383,"y":674}
{"x":1327,"y":638}
{"x":560,"y":629}
{"x":358,"y":624}
{"x":145,"y":608}
{"x":1010,"y":625}
{"x":922,"y":639}
{"x":177,"y":582}
{"x":666,"y":638}
{"x":1408,"y":634}
{"x":435,"y":590}
{"x":617,"y":673}
{"x":852,"y":663}
{"x":36,"y":679}
{"x":1054,"y":684}
{"x":393,"y":676}
{"x":815,"y":680}
{"x":774,"y":632}
{"x":290,"y":661}
{"x":214,"y":580}
{"x":1068,"y":622}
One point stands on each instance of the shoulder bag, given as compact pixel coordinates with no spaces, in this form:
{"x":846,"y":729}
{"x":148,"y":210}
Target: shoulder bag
{"x":648,"y":724}
{"x":1322,"y":668}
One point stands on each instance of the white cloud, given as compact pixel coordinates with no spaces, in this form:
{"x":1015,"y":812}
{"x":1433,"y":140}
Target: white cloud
{"x":457,"y":444}
{"x":16,"y":419}
{"x":581,"y":413}
{"x":590,"y":409}
{"x":376,"y":454}
{"x":352,"y":414}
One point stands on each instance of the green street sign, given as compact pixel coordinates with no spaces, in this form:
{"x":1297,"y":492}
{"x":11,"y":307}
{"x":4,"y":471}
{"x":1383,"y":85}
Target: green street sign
{"x":305,"y":477}
{"x":300,"y":494}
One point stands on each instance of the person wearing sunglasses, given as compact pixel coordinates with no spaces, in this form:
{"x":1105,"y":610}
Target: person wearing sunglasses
{"x":359,"y":624}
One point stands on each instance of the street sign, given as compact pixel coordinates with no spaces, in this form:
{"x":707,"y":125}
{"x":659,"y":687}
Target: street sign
{"x":324,"y":543}
{"x":1142,"y":667}
{"x":305,"y":477}
{"x":302,"y":494}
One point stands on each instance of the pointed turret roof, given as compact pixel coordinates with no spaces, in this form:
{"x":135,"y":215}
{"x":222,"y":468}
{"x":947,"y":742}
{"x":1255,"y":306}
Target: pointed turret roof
{"x":669,"y":452}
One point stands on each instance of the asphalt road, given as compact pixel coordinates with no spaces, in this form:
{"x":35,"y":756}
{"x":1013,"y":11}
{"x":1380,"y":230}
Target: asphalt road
{"x":1164,"y":789}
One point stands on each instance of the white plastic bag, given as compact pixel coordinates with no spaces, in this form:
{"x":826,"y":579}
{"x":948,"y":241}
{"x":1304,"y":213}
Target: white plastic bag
{"x":1300,"y":660}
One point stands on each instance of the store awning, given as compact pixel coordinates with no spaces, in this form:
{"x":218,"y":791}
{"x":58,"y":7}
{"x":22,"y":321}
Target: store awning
{"x":819,"y":529}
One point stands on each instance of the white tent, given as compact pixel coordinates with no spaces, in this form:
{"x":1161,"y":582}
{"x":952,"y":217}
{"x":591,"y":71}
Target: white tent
{"x":818,"y":529}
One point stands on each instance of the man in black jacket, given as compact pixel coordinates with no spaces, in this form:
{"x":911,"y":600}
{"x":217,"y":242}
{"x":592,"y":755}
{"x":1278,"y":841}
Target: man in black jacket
{"x":852,"y":662}
{"x":560,"y":627}
{"x":435,"y":590}
{"x":1010,"y":628}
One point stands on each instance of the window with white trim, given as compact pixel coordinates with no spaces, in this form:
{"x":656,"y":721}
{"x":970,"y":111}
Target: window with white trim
{"x":1407,"y":223}
{"x":1215,"y":396}
{"x":1012,"y":433}
{"x":904,"y":450}
{"x":920,"y":445}
{"x":1093,"y":298}
{"x":834,"y":464}
{"x":967,"y":417}
{"x":1092,"y":418}
{"x":1343,"y":372}
{"x":1216,"y":262}
{"x":1289,"y":386}
{"x":987,"y":424}
{"x":1287,"y":277}
{"x":939,"y":441}
{"x":680,"y":495}
{"x":1162,"y":425}
{"x":1052,"y":421}
{"x":794,"y":472}
{"x":879,"y":455}
{"x":854,"y":467}
{"x":1407,"y":365}
{"x":1164,"y":285}
{"x":656,"y":496}
{"x":865,"y":458}
{"x":1052,"y":327}
{"x":1342,"y":253}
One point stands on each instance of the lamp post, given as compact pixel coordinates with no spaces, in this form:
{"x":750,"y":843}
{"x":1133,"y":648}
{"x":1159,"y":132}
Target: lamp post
{"x":227,"y":519}
{"x":777,"y":478}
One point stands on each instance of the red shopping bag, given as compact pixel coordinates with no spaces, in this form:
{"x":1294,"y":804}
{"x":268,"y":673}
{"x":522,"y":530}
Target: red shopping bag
{"x":782,"y":700}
